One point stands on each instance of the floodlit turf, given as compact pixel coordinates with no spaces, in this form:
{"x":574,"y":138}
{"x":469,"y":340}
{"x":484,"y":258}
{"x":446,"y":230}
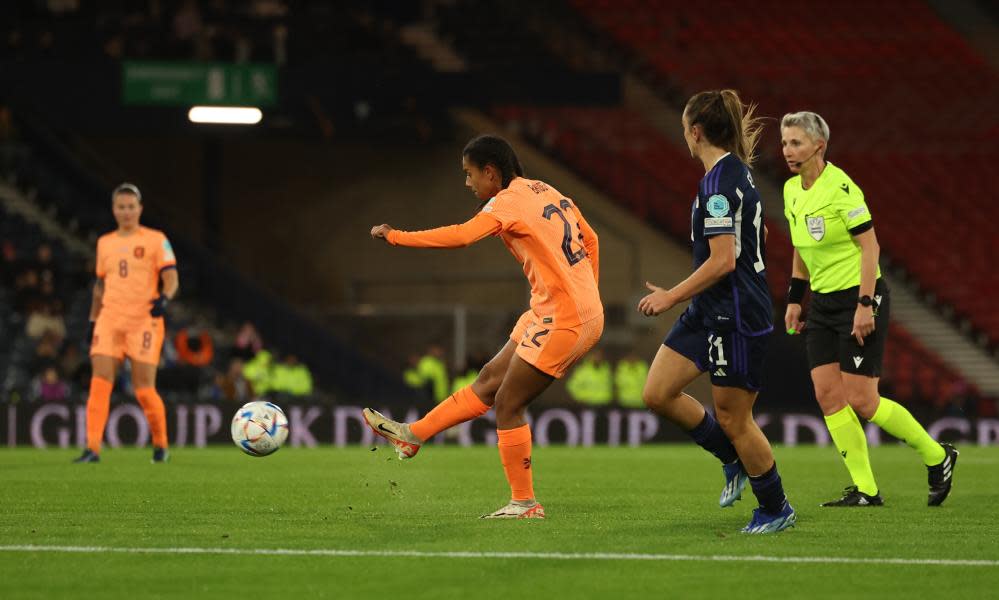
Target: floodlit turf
{"x":659,"y":500}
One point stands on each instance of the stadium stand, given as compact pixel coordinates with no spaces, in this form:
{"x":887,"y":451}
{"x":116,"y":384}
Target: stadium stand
{"x":41,"y":167}
{"x":917,"y":172}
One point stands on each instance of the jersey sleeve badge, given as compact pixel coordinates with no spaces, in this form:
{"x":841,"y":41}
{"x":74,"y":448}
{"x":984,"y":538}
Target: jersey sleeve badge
{"x":168,"y":251}
{"x":721,"y":214}
{"x":718,"y":206}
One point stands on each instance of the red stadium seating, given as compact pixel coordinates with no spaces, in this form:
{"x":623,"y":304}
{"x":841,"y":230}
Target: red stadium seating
{"x":911,"y":107}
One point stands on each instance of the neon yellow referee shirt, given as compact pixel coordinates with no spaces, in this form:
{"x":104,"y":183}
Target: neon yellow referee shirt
{"x":821,"y":218}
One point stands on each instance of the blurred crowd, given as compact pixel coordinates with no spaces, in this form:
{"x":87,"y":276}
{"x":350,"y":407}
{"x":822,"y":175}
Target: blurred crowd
{"x":594,"y":381}
{"x":189,"y":30}
{"x":599,"y":380}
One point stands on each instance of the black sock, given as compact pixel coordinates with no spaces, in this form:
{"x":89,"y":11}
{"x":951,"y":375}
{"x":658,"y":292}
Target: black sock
{"x":709,"y":435}
{"x":769,"y":491}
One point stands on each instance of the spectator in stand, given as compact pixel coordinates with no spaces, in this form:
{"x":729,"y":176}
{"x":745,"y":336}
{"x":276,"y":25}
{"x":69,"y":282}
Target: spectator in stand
{"x":194,"y":347}
{"x":260,"y":372}
{"x":8,"y":264}
{"x":73,"y":367}
{"x":248,"y":342}
{"x":429,"y":372}
{"x":232,"y":386}
{"x":48,"y":271}
{"x":46,"y":352}
{"x":46,"y":318}
{"x":475,"y":364}
{"x":591,"y":381}
{"x":49,"y":386}
{"x":27,"y":291}
{"x":292,"y":377}
{"x":629,"y":379}
{"x":187,"y":23}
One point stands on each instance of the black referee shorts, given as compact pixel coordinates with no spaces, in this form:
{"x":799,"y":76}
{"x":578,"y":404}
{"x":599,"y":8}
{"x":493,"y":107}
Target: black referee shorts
{"x":830,"y":320}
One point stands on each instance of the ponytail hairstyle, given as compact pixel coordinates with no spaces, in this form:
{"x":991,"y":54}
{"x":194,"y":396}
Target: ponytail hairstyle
{"x":488,"y":149}
{"x":726,"y":122}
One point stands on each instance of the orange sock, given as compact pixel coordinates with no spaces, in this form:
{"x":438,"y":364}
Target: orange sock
{"x":515,"y":454}
{"x":459,"y":407}
{"x":98,"y":405}
{"x":152,"y":405}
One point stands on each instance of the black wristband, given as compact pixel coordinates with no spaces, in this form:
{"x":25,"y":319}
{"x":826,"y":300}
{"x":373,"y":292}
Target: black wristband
{"x":796,"y":291}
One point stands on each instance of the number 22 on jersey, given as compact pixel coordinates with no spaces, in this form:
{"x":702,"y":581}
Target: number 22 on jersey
{"x":572,"y":257}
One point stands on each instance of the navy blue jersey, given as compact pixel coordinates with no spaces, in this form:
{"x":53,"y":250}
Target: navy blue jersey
{"x":727,"y":203}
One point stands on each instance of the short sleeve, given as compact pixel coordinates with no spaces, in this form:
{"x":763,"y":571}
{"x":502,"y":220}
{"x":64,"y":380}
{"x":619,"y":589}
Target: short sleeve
{"x":503,"y":208}
{"x":719,"y":214}
{"x":849,"y":204}
{"x":164,"y":255}
{"x":787,"y":203}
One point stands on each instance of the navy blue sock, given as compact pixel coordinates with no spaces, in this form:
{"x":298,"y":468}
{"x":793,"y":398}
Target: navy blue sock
{"x":769,"y":491}
{"x":709,"y":435}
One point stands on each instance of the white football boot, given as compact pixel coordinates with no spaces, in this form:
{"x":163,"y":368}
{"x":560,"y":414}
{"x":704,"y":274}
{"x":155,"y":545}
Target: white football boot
{"x":406,"y":444}
{"x":519,"y":509}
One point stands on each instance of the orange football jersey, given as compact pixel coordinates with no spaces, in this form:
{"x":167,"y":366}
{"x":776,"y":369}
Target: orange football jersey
{"x":547,"y":234}
{"x":130,"y":267}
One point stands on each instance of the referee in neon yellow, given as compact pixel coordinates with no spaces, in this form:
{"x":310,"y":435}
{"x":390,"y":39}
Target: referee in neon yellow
{"x":836,"y":255}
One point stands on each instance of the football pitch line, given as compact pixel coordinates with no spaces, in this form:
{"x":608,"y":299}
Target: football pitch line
{"x":609,"y":556}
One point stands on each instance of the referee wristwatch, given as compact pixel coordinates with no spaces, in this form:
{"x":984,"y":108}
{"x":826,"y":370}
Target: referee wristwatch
{"x":865,"y":300}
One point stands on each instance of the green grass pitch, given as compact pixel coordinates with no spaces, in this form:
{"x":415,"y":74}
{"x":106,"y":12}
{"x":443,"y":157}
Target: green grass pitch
{"x":654,"y":500}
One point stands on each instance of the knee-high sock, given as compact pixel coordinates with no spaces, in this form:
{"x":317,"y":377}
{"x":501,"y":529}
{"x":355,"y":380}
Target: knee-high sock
{"x":98,"y":404}
{"x":709,"y":435}
{"x":896,"y":420}
{"x":459,"y":407}
{"x":515,"y":454}
{"x":152,"y":405}
{"x":850,"y":440}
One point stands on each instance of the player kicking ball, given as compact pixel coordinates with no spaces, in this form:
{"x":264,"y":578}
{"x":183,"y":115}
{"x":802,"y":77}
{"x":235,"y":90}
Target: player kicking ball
{"x":547,"y":234}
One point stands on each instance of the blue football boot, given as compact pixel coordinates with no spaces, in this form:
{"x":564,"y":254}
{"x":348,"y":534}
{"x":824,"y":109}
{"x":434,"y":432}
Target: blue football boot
{"x":736,"y":479}
{"x":88,"y":456}
{"x":763,"y":522}
{"x":160,"y":455}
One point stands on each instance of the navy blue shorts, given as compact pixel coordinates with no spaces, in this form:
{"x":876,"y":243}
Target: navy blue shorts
{"x":733,"y":359}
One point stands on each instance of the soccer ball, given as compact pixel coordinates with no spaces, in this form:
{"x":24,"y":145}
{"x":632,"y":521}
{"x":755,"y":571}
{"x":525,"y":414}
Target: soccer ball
{"x":259,"y":428}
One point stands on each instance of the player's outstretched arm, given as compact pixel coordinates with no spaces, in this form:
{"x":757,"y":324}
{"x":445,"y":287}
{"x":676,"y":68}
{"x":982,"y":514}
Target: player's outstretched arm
{"x":381,"y":231}
{"x":451,"y":236}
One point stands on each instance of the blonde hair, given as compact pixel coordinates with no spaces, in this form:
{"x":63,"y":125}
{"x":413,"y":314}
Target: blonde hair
{"x":811,"y":123}
{"x":726,"y":121}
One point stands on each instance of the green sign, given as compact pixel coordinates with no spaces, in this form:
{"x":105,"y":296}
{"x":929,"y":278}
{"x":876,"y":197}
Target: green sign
{"x":190,"y":83}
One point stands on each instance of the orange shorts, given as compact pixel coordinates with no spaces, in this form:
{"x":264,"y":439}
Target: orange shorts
{"x":551,"y":350}
{"x":141,"y":340}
